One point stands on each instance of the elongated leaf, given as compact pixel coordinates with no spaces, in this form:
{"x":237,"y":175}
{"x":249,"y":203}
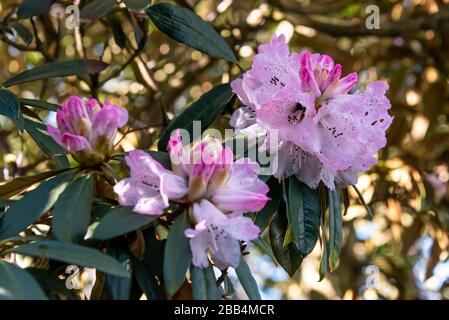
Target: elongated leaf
{"x":154,"y":252}
{"x":10,"y":107}
{"x":19,"y":184}
{"x":264,"y":216}
{"x":38,"y":131}
{"x":119,"y":221}
{"x":34,"y":204}
{"x":199,"y":287}
{"x":187,"y":27}
{"x":58,"y":69}
{"x":23,"y":32}
{"x":303,"y":214}
{"x":51,"y":284}
{"x":39,"y":104}
{"x":136,"y":4}
{"x":335,"y":228}
{"x":177,"y":255}
{"x":18,"y":284}
{"x":206,"y":109}
{"x":265,"y":248}
{"x":119,"y":288}
{"x":147,"y":281}
{"x":288,"y":257}
{"x":73,"y":254}
{"x":97,"y":9}
{"x":247,"y":280}
{"x":71,"y":214}
{"x":31,"y":8}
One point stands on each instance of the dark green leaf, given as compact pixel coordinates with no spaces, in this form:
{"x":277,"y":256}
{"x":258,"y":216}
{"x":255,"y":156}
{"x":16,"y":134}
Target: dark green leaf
{"x":19,"y":184}
{"x":147,"y":281}
{"x":136,"y":4}
{"x":247,"y":280}
{"x":204,"y":284}
{"x":335,"y":228}
{"x":39,"y":104}
{"x":10,"y":107}
{"x":18,"y":284}
{"x":119,"y":34}
{"x":52,"y":285}
{"x":119,"y":221}
{"x":58,"y":69}
{"x":97,"y":9}
{"x":154,"y":252}
{"x":119,"y":288}
{"x":71,"y":214}
{"x":23,"y":32}
{"x":31,"y":8}
{"x":38,"y":131}
{"x":177,"y":255}
{"x":73,"y":254}
{"x":33,"y":205}
{"x":288,"y":257}
{"x":264,"y":216}
{"x":187,"y":27}
{"x":303,"y":214}
{"x":206,"y":109}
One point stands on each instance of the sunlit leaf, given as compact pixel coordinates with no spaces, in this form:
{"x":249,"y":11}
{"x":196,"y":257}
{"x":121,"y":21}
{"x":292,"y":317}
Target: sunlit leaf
{"x":187,"y":27}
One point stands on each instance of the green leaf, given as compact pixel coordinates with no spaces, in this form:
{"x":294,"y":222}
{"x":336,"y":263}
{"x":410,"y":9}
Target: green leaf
{"x":147,"y":282}
{"x":136,"y":4}
{"x":303,"y":214}
{"x":31,"y":8}
{"x":118,"y":221}
{"x":10,"y":107}
{"x":206,"y":109}
{"x":18,"y":284}
{"x":32,"y":206}
{"x":97,"y":9}
{"x":71,"y":214}
{"x":38,"y":132}
{"x":247,"y":280}
{"x":119,"y":288}
{"x":154,"y":252}
{"x":19,"y":184}
{"x":265,"y":248}
{"x":187,"y":27}
{"x":39,"y":104}
{"x":335,"y":228}
{"x":264,"y":216}
{"x":177,"y":255}
{"x":288,"y":257}
{"x":73,"y":254}
{"x":23,"y":32}
{"x":58,"y":69}
{"x":117,"y":31}
{"x":51,"y":284}
{"x":204,"y":284}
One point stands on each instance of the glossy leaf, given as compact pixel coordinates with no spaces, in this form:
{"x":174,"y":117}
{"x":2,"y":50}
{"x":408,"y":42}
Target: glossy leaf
{"x":303,"y":214}
{"x":97,"y":9}
{"x":118,"y":221}
{"x":177,"y":255}
{"x":288,"y":257}
{"x":10,"y":107}
{"x":206,"y":109}
{"x":33,"y":205}
{"x":247,"y":280}
{"x":187,"y":27}
{"x":31,"y":8}
{"x":58,"y":69}
{"x":335,"y":228}
{"x":73,"y":254}
{"x":71,"y":214}
{"x":18,"y":284}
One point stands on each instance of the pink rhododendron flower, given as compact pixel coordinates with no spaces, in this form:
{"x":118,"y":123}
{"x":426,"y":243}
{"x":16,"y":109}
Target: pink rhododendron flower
{"x":218,"y":189}
{"x":326,"y":133}
{"x":87,"y":130}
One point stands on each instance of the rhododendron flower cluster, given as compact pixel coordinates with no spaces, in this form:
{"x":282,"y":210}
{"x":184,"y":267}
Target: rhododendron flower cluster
{"x":326,"y":133}
{"x":87,"y":130}
{"x":217,"y":189}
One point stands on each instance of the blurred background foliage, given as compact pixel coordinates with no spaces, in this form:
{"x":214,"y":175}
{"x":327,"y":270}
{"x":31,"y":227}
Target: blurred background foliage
{"x":402,"y":253}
